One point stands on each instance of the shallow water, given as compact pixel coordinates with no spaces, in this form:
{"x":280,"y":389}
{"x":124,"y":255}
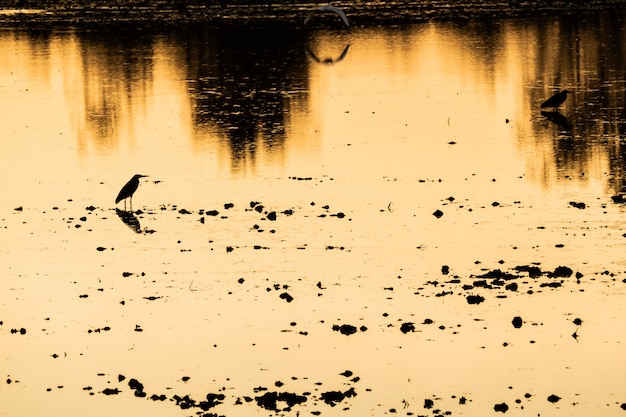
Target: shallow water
{"x":355,"y":140}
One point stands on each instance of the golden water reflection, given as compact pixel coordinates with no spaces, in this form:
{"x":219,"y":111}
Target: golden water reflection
{"x":384,"y":127}
{"x":247,"y":95}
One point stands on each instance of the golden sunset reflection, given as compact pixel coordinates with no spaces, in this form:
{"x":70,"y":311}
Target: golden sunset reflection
{"x":383,"y":201}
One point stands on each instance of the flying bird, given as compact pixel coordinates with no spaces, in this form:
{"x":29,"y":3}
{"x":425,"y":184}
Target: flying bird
{"x":128,"y":190}
{"x":329,"y":8}
{"x":556,"y":100}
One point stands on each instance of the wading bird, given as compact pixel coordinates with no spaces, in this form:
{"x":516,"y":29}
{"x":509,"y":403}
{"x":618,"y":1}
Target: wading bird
{"x":556,"y":100}
{"x":329,"y":8}
{"x":128,"y":190}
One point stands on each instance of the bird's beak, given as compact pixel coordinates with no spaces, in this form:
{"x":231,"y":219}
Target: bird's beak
{"x":144,"y":176}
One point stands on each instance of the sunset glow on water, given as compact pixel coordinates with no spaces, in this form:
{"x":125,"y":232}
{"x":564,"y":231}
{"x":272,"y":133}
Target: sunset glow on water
{"x":350,"y":218}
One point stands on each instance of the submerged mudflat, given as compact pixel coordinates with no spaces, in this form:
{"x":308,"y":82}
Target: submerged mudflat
{"x":299,"y":309}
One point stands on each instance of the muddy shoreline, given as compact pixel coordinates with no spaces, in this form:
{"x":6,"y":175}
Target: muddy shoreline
{"x":271,"y":14}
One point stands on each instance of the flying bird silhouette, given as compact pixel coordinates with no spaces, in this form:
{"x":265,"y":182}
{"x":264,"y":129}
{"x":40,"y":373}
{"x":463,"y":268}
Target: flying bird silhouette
{"x":329,"y":8}
{"x":128,"y":190}
{"x":556,"y":100}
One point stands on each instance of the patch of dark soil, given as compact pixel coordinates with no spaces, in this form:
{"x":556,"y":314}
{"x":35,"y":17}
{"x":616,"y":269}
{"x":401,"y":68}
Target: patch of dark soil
{"x":269,"y":400}
{"x":475,"y":299}
{"x":502,"y":407}
{"x":346,"y":329}
{"x":333,"y":397}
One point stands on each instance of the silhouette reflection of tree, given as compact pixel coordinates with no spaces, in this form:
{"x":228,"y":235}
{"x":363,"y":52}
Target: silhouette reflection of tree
{"x":115,"y":72}
{"x":243,"y":83}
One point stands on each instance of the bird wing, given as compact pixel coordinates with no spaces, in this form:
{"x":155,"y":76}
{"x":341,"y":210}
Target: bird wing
{"x":550,"y":102}
{"x":120,"y":196}
{"x":330,"y":8}
{"x":337,"y":10}
{"x":309,"y":17}
{"x":127,"y":190}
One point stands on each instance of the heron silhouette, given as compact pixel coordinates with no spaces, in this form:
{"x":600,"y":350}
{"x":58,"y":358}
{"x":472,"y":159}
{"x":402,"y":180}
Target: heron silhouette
{"x":128,"y":190}
{"x":556,"y":100}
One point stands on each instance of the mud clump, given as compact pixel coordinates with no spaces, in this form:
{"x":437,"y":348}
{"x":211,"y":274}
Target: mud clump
{"x":346,"y":329}
{"x":533,"y":271}
{"x":137,"y":386}
{"x":562,"y":272}
{"x":333,"y":397}
{"x":475,"y":299}
{"x":286,"y":296}
{"x":269,"y":400}
{"x":502,"y":407}
{"x":578,"y":205}
{"x":110,"y":391}
{"x":554,"y":398}
{"x":407,"y":327}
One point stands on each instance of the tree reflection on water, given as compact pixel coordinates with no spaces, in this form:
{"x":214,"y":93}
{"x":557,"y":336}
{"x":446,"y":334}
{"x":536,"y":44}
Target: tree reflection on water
{"x":242,"y":83}
{"x":237,"y":89}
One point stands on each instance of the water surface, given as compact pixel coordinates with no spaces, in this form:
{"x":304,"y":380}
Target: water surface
{"x":310,"y":165}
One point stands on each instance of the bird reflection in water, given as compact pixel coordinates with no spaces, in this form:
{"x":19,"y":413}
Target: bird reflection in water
{"x":328,"y":60}
{"x":129,"y":219}
{"x":558,"y":119}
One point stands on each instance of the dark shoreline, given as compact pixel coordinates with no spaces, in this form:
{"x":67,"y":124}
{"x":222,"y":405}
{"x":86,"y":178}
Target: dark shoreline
{"x":250,"y":15}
